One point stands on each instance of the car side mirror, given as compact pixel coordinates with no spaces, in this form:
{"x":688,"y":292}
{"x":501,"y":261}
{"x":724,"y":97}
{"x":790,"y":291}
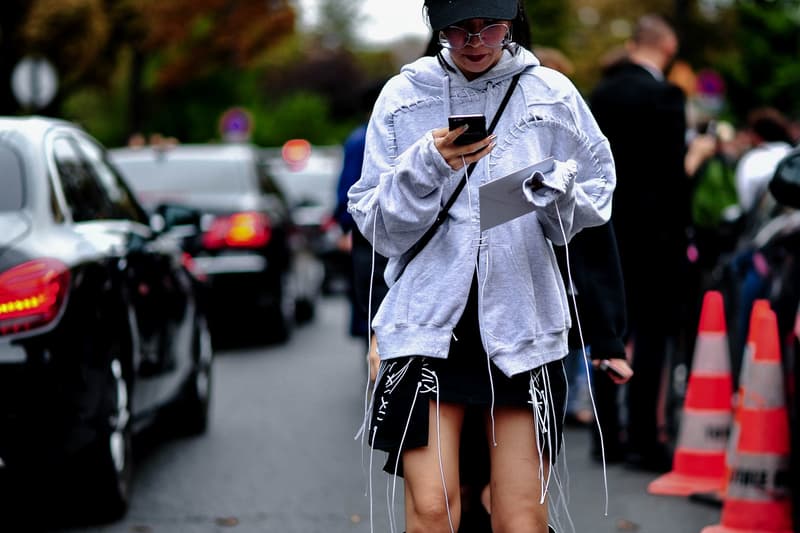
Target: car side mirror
{"x":157,"y":222}
{"x":169,"y":216}
{"x":785,"y":184}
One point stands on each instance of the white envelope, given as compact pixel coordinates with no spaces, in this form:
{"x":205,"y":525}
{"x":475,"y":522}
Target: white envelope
{"x":502,"y":200}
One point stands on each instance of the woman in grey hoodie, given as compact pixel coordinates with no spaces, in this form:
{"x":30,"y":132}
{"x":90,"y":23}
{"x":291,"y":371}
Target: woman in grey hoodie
{"x":476,"y":319}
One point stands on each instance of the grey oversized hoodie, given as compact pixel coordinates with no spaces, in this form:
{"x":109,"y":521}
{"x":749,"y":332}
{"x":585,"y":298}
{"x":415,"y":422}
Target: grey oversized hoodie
{"x":404,"y":182}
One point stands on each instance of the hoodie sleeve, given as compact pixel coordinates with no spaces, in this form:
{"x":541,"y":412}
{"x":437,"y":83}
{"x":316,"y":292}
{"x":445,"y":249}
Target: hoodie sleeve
{"x":565,"y":129}
{"x":398,"y":196}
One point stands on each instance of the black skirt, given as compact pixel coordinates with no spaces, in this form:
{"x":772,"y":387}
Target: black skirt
{"x":406,"y":386}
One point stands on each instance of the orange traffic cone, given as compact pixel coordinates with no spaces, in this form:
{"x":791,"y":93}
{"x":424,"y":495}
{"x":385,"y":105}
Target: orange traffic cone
{"x":716,"y":496}
{"x":757,"y":496}
{"x":759,"y":307}
{"x":699,"y":461}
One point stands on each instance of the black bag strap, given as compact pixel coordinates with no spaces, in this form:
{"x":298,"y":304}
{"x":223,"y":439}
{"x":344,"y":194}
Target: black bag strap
{"x":440,"y":218}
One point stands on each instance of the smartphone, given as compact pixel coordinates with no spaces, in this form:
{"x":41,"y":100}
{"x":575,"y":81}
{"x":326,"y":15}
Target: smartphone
{"x":609,"y":369}
{"x":476,"y":131}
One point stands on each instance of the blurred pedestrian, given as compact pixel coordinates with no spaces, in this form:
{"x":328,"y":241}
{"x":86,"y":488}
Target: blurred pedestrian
{"x":599,"y":299}
{"x":715,"y":223}
{"x":643,"y":116}
{"x":710,"y":167}
{"x":361,"y":258}
{"x":579,"y":406}
{"x":591,"y":262}
{"x":475,"y":318}
{"x":770,"y":140}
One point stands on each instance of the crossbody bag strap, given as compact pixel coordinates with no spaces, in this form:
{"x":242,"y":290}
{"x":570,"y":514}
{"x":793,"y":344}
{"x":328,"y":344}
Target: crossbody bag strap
{"x":440,"y":218}
{"x":450,"y":201}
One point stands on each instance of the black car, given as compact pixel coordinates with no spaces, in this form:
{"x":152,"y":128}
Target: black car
{"x":102,"y":324}
{"x":260,"y":279}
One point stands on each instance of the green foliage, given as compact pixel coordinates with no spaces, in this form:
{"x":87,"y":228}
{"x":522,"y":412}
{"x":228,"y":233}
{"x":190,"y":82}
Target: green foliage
{"x":93,"y":108}
{"x":763,"y":68}
{"x":191,"y":112}
{"x":549,"y":20}
{"x":339,"y":18}
{"x":195,"y":67}
{"x":714,"y":192}
{"x":300,"y":115}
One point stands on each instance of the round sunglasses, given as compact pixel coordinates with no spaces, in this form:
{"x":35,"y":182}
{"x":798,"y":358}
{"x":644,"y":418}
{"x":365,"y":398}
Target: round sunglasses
{"x":491,"y":36}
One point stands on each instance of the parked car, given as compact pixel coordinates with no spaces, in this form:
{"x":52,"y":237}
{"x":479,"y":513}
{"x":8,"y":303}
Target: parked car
{"x":310,"y":187}
{"x":102,"y":325}
{"x":260,"y":278}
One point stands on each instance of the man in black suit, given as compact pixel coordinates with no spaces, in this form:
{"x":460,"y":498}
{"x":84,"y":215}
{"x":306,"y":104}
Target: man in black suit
{"x":643,"y":116}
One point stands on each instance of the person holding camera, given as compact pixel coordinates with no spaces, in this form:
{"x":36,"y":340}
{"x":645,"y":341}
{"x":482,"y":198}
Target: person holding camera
{"x":475,"y":319}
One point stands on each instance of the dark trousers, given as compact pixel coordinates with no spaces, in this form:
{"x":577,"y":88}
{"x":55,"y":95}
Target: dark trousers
{"x":649,"y":355}
{"x":608,"y":416}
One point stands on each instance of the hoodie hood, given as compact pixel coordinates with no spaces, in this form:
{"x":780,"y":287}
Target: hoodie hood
{"x":432,"y":71}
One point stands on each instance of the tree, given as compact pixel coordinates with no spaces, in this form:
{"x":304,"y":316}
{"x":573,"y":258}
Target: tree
{"x":763,"y":69}
{"x":71,"y":34}
{"x":190,"y":38}
{"x":549,"y":21}
{"x":337,"y":22}
{"x":178,"y":51}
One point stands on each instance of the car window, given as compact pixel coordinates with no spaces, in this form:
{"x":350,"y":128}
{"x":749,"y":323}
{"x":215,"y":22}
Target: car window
{"x":124,"y":205}
{"x":83,"y":194}
{"x":266,"y":181}
{"x":11,"y":180}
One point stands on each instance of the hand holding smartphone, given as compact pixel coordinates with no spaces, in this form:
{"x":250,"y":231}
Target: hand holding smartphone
{"x":475,"y":132}
{"x":617,"y":369}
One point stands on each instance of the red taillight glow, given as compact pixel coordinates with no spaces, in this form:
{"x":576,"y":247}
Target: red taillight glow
{"x":242,"y":230}
{"x":191,"y":266}
{"x":31,"y":294}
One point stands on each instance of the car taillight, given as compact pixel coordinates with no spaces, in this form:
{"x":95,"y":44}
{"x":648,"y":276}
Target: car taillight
{"x":241,"y":230}
{"x":31,"y":294}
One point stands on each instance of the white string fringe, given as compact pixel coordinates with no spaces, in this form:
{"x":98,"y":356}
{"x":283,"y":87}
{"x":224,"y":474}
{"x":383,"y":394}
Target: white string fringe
{"x":586,"y":364}
{"x":541,"y":399}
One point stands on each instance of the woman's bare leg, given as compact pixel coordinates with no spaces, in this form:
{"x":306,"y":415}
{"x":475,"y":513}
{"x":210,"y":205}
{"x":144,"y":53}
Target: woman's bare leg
{"x":426,"y":504}
{"x":516,"y":488}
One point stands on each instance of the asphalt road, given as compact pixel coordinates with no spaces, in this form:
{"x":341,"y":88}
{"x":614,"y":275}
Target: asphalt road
{"x":280,"y":455}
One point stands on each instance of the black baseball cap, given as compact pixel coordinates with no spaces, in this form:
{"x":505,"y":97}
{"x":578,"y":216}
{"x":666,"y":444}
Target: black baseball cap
{"x":443,"y":13}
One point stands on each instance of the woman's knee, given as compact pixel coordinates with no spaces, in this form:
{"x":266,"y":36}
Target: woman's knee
{"x":427,"y":509}
{"x":521,"y":517}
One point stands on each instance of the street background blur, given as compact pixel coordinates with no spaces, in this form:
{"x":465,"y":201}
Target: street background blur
{"x":120,"y":67}
{"x":273,"y":75}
